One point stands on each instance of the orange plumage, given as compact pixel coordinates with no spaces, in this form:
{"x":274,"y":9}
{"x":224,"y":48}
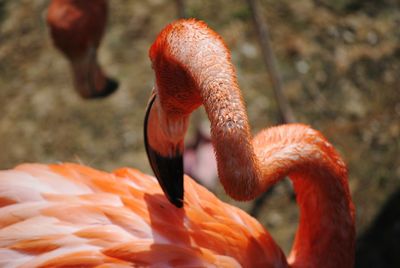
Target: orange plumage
{"x":73,"y":216}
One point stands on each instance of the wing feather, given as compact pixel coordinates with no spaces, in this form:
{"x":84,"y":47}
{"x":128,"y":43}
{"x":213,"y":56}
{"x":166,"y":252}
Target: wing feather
{"x":69,"y":215}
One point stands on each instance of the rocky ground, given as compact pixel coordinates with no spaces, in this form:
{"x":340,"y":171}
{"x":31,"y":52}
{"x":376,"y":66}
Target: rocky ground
{"x":340,"y":65}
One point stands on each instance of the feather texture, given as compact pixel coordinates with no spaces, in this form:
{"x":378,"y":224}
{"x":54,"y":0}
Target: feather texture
{"x":69,"y":215}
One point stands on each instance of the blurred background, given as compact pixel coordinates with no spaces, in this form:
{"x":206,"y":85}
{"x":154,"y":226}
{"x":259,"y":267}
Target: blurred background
{"x":340,"y":66}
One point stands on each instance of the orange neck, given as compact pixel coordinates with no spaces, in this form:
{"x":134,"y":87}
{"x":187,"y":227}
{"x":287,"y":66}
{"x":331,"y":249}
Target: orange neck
{"x":326,"y":233}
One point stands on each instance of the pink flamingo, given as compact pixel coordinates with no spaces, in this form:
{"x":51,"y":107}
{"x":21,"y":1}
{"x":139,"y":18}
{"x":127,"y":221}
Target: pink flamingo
{"x":69,"y":215}
{"x":76,"y":27}
{"x":192,"y":67}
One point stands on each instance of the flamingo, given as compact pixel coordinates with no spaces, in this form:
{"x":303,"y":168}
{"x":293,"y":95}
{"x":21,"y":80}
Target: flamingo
{"x":76,"y":28}
{"x":69,"y":215}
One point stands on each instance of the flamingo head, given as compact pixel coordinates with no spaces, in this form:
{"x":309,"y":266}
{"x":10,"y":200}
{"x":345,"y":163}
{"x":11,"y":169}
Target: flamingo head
{"x":175,"y":95}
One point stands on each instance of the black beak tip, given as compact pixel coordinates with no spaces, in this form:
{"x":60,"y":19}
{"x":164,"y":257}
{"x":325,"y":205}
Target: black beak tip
{"x":177,"y":202}
{"x":110,"y":87}
{"x":167,"y":169}
{"x":169,"y":173}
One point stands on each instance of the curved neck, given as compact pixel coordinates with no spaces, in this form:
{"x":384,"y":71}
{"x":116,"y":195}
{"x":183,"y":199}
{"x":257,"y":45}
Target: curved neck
{"x":247,"y":167}
{"x":326,"y":233}
{"x":238,"y":167}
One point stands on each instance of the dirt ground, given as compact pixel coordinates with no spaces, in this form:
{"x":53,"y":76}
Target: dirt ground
{"x":340,"y":65}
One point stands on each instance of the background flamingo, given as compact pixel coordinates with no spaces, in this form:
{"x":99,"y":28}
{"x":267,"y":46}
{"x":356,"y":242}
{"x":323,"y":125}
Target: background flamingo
{"x":199,"y":158}
{"x":77,"y":27}
{"x":71,"y":215}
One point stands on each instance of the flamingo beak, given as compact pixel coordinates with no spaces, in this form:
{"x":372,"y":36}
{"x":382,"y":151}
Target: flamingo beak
{"x":110,"y":87}
{"x":167,"y":169}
